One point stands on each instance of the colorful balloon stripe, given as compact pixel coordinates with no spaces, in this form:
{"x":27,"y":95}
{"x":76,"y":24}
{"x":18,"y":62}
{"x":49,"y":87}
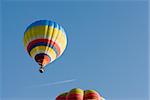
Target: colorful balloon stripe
{"x":74,"y":96}
{"x":44,"y":42}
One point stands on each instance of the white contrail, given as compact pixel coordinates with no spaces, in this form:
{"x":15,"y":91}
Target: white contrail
{"x":54,"y":83}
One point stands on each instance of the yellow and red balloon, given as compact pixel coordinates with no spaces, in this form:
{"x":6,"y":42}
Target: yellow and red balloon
{"x":79,"y":94}
{"x":45,"y":41}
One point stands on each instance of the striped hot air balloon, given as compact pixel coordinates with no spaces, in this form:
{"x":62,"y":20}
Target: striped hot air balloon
{"x":79,"y":94}
{"x":45,"y":41}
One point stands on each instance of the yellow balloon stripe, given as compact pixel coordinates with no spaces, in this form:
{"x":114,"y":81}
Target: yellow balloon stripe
{"x":90,"y":91}
{"x":41,"y":49}
{"x":40,"y":31}
{"x":62,"y":41}
{"x":78,"y":91}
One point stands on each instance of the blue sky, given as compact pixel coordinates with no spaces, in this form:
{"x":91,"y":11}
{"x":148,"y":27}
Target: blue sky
{"x":107,"y":49}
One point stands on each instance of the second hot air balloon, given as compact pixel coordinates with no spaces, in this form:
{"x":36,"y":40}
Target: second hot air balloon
{"x":45,"y":41}
{"x":79,"y":94}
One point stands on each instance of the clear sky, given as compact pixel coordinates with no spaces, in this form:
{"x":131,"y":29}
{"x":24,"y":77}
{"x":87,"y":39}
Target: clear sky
{"x":107,"y":49}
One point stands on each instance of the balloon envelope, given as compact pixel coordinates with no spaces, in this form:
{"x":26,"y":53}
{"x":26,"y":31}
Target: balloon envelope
{"x":45,"y":41}
{"x":79,"y":94}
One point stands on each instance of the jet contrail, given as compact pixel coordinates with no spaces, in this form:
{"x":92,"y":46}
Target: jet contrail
{"x":54,"y":83}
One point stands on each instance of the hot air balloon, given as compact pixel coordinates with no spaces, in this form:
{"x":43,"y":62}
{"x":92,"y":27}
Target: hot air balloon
{"x":45,"y":41}
{"x":79,"y":94}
